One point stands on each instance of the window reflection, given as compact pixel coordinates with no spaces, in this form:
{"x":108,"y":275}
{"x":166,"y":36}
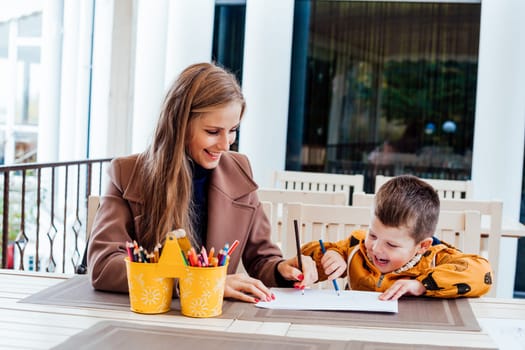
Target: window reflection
{"x":390,"y":88}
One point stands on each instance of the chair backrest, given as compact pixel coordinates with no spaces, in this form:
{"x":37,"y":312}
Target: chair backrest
{"x":319,"y":182}
{"x":326,"y":222}
{"x":331,"y":223}
{"x":275,"y":201}
{"x":361,"y":199}
{"x":488,"y":243}
{"x":462,"y":229}
{"x":317,"y":221}
{"x":491,"y":220}
{"x":267,"y":208}
{"x":446,"y":189}
{"x":92,"y":207}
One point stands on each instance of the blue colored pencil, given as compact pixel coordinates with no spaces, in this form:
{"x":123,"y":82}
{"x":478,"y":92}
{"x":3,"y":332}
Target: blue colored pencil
{"x":334,"y":282}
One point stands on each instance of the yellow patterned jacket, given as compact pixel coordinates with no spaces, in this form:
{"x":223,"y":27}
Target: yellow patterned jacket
{"x":444,"y":271}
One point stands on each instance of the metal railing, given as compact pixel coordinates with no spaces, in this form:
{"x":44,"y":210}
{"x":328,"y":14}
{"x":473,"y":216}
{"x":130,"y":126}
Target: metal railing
{"x":44,"y":212}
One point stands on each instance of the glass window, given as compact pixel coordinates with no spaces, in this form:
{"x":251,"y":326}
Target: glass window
{"x":20,"y":34}
{"x":228,"y":40}
{"x":4,"y":35}
{"x":383,"y":88}
{"x":228,"y":36}
{"x":30,"y":25}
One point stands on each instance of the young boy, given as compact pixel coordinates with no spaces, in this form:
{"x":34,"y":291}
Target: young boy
{"x":398,"y":255}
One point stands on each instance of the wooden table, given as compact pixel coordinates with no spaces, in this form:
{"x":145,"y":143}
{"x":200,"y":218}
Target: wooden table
{"x":34,"y":326}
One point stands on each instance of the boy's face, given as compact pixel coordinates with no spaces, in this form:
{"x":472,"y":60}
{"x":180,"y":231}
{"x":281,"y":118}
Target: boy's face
{"x":391,"y":247}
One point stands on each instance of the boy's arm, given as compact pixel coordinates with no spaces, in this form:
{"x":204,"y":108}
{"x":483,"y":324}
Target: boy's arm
{"x":313,"y":249}
{"x":457,"y":275}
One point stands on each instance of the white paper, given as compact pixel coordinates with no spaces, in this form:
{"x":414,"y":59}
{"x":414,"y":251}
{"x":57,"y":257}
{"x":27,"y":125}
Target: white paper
{"x":325,"y":299}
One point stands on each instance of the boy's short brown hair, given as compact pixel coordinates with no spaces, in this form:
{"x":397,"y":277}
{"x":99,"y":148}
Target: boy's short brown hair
{"x":408,"y":201}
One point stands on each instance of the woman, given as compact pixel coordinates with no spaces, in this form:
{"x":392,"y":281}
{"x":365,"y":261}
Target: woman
{"x":189,"y":179}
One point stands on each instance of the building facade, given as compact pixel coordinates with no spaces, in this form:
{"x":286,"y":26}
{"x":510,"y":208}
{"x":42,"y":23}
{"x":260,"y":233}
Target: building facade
{"x":106,"y":64}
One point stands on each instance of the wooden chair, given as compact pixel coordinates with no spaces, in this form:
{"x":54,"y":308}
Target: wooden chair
{"x":319,"y":182}
{"x":92,"y":207}
{"x":491,"y":220}
{"x":332,"y":223}
{"x":491,"y":226}
{"x":326,"y":222}
{"x":275,"y":200}
{"x":462,"y":229}
{"x":446,"y":189}
{"x":317,"y":221}
{"x":93,"y":204}
{"x":268,"y":209}
{"x":361,"y":199}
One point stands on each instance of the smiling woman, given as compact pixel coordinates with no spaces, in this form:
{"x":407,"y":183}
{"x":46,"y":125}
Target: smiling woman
{"x":188,"y":178}
{"x":213,"y":133}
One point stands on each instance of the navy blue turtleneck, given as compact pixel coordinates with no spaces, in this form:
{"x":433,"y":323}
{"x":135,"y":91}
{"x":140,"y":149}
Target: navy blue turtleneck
{"x":200,"y":179}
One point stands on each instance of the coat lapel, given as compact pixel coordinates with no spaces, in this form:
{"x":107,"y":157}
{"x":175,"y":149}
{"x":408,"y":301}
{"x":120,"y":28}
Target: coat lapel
{"x":230,"y":211}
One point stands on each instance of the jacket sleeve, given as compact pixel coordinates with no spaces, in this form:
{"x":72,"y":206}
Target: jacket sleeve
{"x":313,"y":249}
{"x":457,"y":275}
{"x":112,"y":228}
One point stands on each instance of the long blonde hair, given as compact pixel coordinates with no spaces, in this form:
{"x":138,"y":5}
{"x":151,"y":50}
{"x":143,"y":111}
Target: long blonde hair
{"x":167,"y":174}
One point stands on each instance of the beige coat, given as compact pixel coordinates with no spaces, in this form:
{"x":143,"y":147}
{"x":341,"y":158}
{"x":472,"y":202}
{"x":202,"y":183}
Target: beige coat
{"x":234,"y":212}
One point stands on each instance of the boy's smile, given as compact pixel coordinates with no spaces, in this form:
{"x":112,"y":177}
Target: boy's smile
{"x":390,"y":248}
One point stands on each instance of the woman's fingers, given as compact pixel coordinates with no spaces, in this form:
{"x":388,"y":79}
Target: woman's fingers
{"x":289,"y":269}
{"x":245,"y":288}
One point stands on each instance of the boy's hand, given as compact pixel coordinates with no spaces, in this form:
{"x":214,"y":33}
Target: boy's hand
{"x":334,"y":265}
{"x":403,"y":287}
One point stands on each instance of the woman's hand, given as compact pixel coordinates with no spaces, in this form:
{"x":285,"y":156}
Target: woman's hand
{"x":402,"y":287}
{"x":289,"y":269}
{"x":242,"y":287}
{"x":334,"y":265}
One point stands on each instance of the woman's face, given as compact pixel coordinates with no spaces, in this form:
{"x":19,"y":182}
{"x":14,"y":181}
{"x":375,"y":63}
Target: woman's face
{"x":212,"y":133}
{"x":391,"y":247}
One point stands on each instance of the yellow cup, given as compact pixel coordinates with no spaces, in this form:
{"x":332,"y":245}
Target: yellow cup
{"x":202,"y":291}
{"x":148,"y":292}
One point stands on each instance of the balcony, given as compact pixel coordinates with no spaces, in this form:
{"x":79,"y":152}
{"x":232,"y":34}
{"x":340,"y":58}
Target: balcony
{"x":44,"y":212}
